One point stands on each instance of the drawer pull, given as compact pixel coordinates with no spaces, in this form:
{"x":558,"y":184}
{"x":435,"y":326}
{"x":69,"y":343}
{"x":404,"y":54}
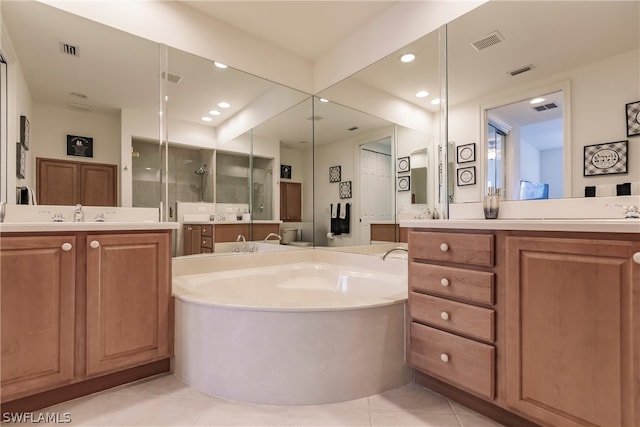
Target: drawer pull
{"x":67,"y":247}
{"x":444,"y":247}
{"x":636,"y":257}
{"x":444,"y":282}
{"x":444,"y":315}
{"x":94,"y":244}
{"x":444,"y":357}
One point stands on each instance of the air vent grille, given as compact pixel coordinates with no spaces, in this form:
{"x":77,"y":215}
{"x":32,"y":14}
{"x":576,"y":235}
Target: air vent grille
{"x":351,"y":129}
{"x":521,"y":70}
{"x":69,"y":49}
{"x":173,"y":78}
{"x":315,"y":118}
{"x":487,"y":41}
{"x":545,"y":107}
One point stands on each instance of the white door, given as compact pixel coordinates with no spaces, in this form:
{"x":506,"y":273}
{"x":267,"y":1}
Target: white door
{"x":376,"y":196}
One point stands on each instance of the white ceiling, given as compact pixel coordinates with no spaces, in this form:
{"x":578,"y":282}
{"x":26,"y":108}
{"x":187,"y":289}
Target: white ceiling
{"x":117,"y":70}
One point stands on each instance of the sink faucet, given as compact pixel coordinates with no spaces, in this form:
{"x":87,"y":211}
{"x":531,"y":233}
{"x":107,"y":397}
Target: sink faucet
{"x":277,"y":236}
{"x":244,"y":242}
{"x":393,"y":250}
{"x":78,"y":214}
{"x":630,"y":212}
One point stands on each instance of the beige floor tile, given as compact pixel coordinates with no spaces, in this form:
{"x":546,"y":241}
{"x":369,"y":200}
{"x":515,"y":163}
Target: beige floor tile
{"x":460,"y":409}
{"x":94,"y":410}
{"x":352,"y":413}
{"x":163,"y":385}
{"x":391,"y":418}
{"x":145,"y":410}
{"x":411,"y":397}
{"x":226,"y":413}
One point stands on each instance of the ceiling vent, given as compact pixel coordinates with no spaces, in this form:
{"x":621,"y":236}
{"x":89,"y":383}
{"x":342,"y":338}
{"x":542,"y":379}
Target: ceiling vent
{"x":351,"y":129}
{"x":173,"y":78}
{"x":487,"y":41}
{"x":545,"y":107}
{"x":315,"y":118}
{"x":69,"y":49}
{"x":76,"y":106}
{"x":521,"y":70}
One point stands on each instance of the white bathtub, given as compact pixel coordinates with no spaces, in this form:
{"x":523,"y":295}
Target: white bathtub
{"x":305,"y":333}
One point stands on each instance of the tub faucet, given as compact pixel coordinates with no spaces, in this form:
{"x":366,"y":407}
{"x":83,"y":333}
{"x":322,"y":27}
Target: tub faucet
{"x":244,"y":242}
{"x":78,"y":215}
{"x":277,"y":236}
{"x":392,"y":250}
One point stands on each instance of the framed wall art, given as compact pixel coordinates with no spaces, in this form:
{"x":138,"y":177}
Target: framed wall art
{"x":335,"y":174}
{"x":404,"y":164}
{"x":285,"y":171}
{"x":605,"y":159}
{"x":633,"y":118}
{"x":466,"y":176}
{"x":80,"y":146}
{"x":21,"y":160}
{"x":24,"y":132}
{"x":345,"y":190}
{"x":404,"y":183}
{"x":466,"y":153}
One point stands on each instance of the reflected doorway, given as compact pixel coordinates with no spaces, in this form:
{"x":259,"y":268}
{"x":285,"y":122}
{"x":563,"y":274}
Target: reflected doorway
{"x":376,"y":186}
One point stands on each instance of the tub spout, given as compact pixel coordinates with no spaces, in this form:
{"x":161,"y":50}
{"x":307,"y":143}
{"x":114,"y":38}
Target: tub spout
{"x":244,"y":242}
{"x":277,"y":236}
{"x":393,"y":250}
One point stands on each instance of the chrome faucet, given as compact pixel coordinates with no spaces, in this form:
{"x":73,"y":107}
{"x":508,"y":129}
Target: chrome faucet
{"x":244,"y":243}
{"x":277,"y":236}
{"x":78,"y":214}
{"x":630,"y":212}
{"x":393,"y":250}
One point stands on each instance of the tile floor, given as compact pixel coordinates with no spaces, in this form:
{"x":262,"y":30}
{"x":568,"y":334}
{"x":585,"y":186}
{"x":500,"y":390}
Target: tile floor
{"x":166,"y":401}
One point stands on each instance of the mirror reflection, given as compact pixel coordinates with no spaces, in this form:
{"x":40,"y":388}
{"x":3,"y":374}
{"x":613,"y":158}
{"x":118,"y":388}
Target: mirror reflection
{"x":500,"y":61}
{"x":83,"y":88}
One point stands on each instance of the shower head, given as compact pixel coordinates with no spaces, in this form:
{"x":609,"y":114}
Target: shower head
{"x":201,"y":170}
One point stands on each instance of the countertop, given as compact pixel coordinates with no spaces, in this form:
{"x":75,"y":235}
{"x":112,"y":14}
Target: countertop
{"x":257,"y":221}
{"x":575,"y":225}
{"x":11,"y":227}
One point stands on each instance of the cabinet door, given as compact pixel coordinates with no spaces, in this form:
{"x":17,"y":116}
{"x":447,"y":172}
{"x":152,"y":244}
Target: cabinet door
{"x":229,"y":232}
{"x":38,"y":308}
{"x":291,"y":201}
{"x":98,"y":185}
{"x":57,"y":182}
{"x":570,"y":330}
{"x":128,"y":292}
{"x":192,"y":239}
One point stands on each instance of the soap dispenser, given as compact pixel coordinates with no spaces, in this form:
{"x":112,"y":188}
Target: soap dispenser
{"x":491,"y":203}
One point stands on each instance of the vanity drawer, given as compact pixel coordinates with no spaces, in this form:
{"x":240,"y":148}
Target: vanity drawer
{"x":466,"y":319}
{"x":465,"y":363}
{"x":476,"y":286}
{"x":462,"y":248}
{"x":207,"y":230}
{"x":206,"y":242}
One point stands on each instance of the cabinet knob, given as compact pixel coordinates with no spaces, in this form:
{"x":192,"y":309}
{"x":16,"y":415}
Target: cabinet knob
{"x":444,"y":247}
{"x":94,"y":244}
{"x":67,"y":247}
{"x":444,"y":315}
{"x":444,"y":357}
{"x":444,"y":282}
{"x":636,"y":257}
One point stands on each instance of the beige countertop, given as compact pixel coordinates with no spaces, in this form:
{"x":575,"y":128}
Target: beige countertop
{"x":575,"y":225}
{"x":257,"y":221}
{"x":21,"y":227}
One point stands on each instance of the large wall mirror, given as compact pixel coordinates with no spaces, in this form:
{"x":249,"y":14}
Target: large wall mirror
{"x":395,"y":170}
{"x":81,"y":89}
{"x":531,"y":84}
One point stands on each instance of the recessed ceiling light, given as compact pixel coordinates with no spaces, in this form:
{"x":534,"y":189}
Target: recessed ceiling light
{"x":435,"y":101}
{"x":536,"y":100}
{"x":224,"y":105}
{"x":214,"y":112}
{"x":407,"y":57}
{"x":206,"y":119}
{"x":422,"y":94}
{"x":324,"y":100}
{"x":219,"y":64}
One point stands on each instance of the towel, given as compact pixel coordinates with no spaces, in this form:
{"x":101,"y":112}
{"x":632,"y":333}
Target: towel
{"x":335,"y":221}
{"x":334,"y":213}
{"x":344,"y":220}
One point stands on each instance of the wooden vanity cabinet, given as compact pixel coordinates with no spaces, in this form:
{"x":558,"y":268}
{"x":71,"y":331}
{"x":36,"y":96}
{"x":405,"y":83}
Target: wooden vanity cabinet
{"x":38,"y":300}
{"x":290,"y":201}
{"x":573,"y":310}
{"x":82,"y":312}
{"x":198,"y":239}
{"x":451,"y":322}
